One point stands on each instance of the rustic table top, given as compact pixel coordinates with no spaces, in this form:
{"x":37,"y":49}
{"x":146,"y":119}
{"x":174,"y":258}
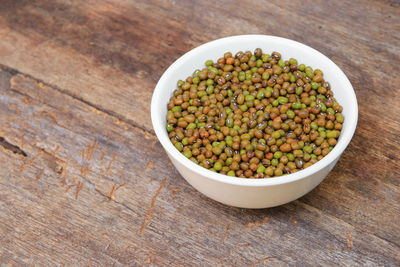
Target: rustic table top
{"x":84,"y":181}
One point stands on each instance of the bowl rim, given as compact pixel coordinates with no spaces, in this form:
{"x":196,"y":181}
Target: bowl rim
{"x":176,"y":155}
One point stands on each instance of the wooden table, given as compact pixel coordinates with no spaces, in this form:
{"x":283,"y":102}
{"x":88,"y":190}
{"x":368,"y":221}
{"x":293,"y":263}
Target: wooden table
{"x":84,"y":181}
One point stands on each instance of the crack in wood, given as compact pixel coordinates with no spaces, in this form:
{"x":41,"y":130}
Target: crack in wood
{"x":110,"y":164}
{"x":79,"y":187}
{"x":62,"y":170}
{"x":254,"y":224}
{"x":262,"y":260}
{"x":349,"y":240}
{"x":151,"y":259}
{"x":45,"y":113}
{"x":149,"y":213}
{"x":115,"y":201}
{"x":56,"y":149}
{"x":13,"y":148}
{"x":237,"y":247}
{"x":174,"y":191}
{"x":68,"y":188}
{"x":8,"y":69}
{"x":330,"y":247}
{"x":114,"y":188}
{"x":87,"y":153}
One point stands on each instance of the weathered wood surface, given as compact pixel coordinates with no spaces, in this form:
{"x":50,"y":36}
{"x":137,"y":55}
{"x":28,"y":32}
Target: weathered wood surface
{"x":83,"y":180}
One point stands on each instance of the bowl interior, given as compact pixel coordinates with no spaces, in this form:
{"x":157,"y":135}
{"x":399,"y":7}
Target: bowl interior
{"x":194,"y":59}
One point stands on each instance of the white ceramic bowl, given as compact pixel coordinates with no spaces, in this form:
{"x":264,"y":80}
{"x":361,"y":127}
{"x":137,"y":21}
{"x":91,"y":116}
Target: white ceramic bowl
{"x":253,"y":193}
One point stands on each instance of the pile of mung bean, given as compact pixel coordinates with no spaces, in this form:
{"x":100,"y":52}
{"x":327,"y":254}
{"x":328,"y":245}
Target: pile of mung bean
{"x":254,"y":115}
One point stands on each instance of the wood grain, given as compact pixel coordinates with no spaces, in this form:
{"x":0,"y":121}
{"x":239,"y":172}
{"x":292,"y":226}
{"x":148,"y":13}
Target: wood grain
{"x":84,"y":181}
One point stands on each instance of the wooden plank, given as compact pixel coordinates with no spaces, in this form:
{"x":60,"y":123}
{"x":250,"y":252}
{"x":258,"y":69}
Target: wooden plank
{"x":111,"y":53}
{"x":60,"y":206}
